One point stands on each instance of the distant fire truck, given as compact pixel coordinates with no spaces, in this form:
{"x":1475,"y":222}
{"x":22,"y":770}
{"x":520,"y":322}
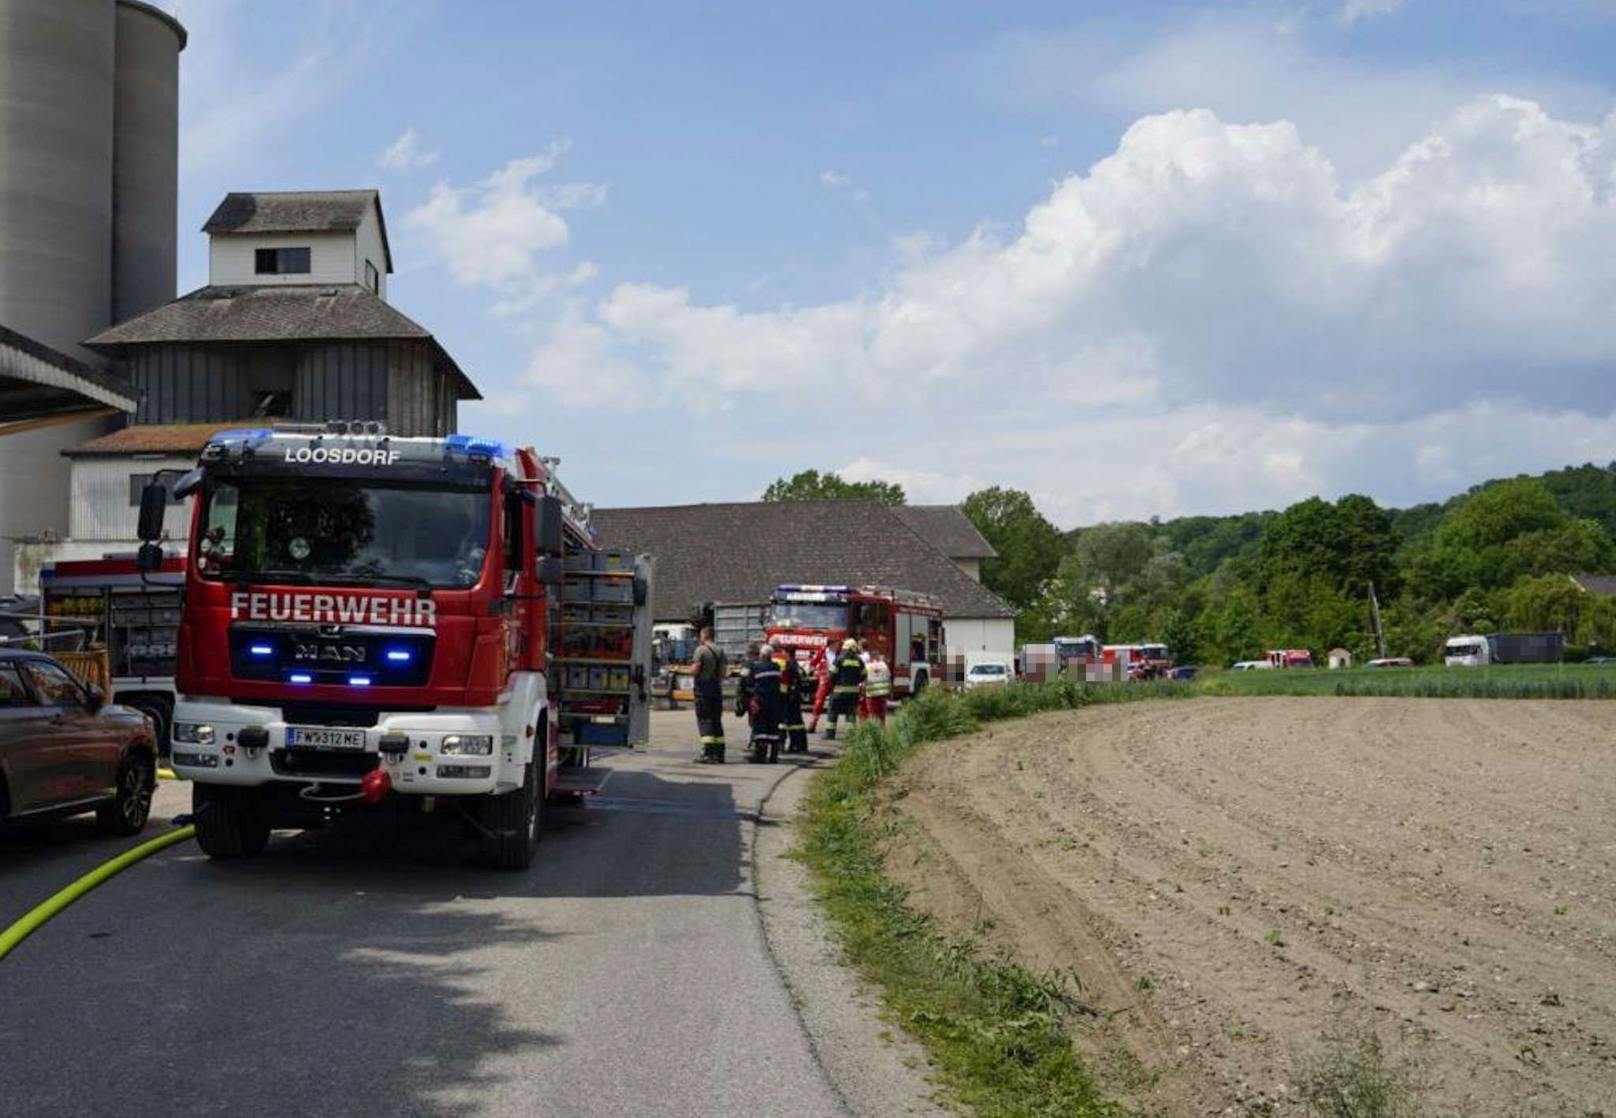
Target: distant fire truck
{"x":1290,"y":658}
{"x":421,"y":621}
{"x":904,"y":626}
{"x":134,"y":616}
{"x":1151,"y":660}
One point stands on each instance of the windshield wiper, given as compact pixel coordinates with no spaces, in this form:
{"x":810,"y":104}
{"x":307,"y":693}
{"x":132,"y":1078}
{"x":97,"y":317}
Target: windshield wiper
{"x":301,"y":578}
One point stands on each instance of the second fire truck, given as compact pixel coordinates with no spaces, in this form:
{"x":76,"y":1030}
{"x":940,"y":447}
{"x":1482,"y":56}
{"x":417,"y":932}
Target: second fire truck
{"x":906,"y":627}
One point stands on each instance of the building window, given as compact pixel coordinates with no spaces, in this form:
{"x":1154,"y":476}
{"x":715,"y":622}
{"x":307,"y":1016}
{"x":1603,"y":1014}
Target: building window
{"x":138,"y":483}
{"x":373,"y":279}
{"x":281,"y":261}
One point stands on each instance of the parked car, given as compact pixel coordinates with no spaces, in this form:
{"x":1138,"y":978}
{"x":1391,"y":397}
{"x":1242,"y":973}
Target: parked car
{"x":986,"y":674}
{"x":1391,"y":662}
{"x":1184,"y":671}
{"x":64,"y":750}
{"x":1600,"y":660}
{"x":1250,"y":666}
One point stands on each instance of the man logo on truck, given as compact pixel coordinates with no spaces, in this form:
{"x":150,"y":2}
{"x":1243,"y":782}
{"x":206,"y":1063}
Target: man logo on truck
{"x":332,"y":609}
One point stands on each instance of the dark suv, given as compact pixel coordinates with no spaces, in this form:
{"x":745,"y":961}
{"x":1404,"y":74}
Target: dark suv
{"x":64,"y":751}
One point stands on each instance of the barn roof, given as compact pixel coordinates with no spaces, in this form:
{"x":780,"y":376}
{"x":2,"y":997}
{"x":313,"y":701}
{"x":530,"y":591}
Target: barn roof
{"x":948,"y":529}
{"x":740,"y":552}
{"x":278,"y":313}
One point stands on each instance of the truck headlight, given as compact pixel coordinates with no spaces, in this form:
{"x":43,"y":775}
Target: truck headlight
{"x":467,"y":745}
{"x":194,"y":733}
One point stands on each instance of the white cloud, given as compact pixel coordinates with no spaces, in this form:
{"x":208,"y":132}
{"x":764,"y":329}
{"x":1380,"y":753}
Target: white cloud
{"x":1354,"y":10}
{"x":1245,"y":67}
{"x":406,"y":153}
{"x":493,"y":234}
{"x":1209,"y":317}
{"x":834,"y":180}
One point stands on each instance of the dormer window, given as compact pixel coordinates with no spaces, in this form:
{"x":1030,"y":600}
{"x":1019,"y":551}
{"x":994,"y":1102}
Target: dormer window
{"x":281,"y":261}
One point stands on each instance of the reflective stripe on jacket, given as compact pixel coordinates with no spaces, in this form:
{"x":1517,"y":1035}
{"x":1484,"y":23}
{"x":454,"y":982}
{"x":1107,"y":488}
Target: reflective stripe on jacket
{"x":847,"y":673}
{"x":879,"y":683}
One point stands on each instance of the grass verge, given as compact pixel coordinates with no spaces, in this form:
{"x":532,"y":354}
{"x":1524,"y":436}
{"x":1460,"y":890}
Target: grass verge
{"x":995,"y":1031}
{"x":1500,"y":681}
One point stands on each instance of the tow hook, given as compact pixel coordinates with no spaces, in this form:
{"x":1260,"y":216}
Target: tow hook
{"x":374,"y":787}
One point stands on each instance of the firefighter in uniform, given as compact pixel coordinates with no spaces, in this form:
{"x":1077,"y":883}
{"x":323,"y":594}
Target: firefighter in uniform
{"x":846,"y":677}
{"x":877,"y":687}
{"x":758,"y":696}
{"x":710,"y":699}
{"x":791,"y":702}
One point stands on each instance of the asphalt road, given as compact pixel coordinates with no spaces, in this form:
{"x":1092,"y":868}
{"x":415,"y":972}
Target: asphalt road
{"x":369,"y":970}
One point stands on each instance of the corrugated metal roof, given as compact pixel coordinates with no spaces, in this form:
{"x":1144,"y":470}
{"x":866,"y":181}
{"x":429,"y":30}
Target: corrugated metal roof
{"x":740,"y":552}
{"x":949,"y":530}
{"x":297,"y":211}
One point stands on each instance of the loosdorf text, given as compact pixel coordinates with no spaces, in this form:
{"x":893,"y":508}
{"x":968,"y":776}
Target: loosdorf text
{"x":342,"y":455}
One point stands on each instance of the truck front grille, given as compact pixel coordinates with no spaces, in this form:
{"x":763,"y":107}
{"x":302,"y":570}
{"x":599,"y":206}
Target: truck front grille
{"x":317,"y":763}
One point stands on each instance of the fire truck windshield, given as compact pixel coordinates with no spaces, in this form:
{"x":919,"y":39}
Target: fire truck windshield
{"x":807,"y":615}
{"x":342,"y":531}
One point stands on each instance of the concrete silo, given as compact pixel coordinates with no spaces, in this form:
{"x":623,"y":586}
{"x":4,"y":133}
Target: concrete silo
{"x":88,"y":168}
{"x":57,"y":62}
{"x":145,"y":157}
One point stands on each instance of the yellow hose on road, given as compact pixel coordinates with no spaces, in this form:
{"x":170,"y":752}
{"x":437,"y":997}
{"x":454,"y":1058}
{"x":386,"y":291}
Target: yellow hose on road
{"x":40,"y":913}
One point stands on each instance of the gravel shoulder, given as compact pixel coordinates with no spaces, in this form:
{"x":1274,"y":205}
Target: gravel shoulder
{"x":1231,"y":878}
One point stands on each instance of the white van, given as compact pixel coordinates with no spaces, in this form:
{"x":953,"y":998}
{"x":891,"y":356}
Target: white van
{"x":1467,"y":652}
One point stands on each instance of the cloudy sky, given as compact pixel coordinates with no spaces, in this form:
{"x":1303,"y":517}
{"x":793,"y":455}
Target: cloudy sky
{"x":1136,"y":257}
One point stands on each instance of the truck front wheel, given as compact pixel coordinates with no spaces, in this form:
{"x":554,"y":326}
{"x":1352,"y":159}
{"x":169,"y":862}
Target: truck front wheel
{"x":230,"y":822}
{"x":511,"y":823}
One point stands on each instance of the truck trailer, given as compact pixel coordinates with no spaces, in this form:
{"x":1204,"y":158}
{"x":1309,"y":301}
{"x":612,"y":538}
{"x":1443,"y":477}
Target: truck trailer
{"x":420,"y":623}
{"x":1477,"y":650}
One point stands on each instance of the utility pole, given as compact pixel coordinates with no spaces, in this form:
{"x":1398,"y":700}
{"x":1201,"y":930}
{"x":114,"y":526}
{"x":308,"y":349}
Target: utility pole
{"x":1374,"y":613}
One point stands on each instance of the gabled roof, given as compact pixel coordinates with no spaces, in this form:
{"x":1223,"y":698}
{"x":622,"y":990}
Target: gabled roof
{"x":948,"y":529}
{"x":280,"y":313}
{"x":740,"y":552}
{"x":297,"y":211}
{"x":1602,"y":586}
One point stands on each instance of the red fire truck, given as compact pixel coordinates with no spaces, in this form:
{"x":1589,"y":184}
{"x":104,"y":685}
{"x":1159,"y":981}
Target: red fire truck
{"x":370,"y":619}
{"x":904,"y":626}
{"x":1151,"y":660}
{"x":110,"y":603}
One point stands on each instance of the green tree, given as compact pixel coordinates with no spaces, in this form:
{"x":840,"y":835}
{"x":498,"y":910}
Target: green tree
{"x":1029,"y":546}
{"x":811,"y":485}
{"x":1112,"y":557}
{"x":1350,"y":543}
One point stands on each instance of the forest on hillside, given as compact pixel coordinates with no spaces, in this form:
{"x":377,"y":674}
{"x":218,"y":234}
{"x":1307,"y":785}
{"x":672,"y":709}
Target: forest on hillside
{"x":1223,"y":588}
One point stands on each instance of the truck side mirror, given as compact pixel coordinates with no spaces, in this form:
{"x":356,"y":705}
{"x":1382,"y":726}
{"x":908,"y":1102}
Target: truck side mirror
{"x":549,"y":525}
{"x":153,"y":504}
{"x":550,"y":570}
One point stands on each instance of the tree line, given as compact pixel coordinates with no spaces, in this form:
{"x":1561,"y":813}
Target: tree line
{"x":1223,"y":588}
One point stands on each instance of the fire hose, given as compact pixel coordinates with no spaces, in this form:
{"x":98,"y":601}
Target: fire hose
{"x":40,"y":913}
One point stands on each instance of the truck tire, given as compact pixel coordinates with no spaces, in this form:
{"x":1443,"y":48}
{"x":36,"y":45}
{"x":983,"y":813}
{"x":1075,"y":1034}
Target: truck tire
{"x":130,"y":807}
{"x":230,"y":822}
{"x":511,"y":823}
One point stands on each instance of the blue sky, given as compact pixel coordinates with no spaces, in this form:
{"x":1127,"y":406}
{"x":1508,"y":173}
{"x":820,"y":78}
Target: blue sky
{"x":1137,"y":258}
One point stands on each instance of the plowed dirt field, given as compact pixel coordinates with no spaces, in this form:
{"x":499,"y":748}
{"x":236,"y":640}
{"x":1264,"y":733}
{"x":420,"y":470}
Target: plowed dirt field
{"x":1232,"y":878}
